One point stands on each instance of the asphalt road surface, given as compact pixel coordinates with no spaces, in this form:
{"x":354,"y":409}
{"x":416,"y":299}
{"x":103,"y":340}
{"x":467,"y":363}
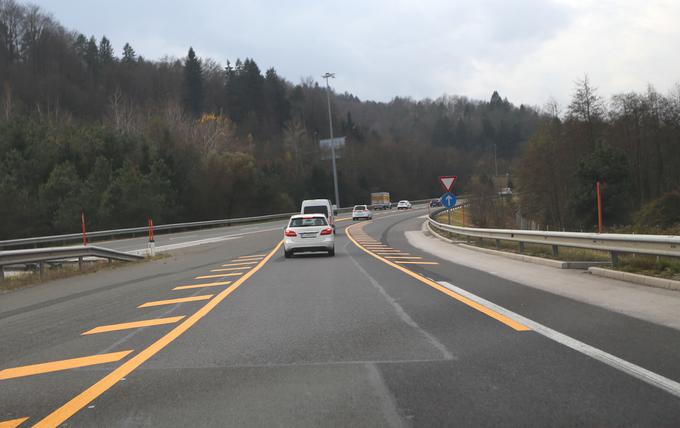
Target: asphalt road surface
{"x":230,"y":333}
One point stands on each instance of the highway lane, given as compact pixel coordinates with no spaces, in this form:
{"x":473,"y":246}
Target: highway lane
{"x":318,"y":341}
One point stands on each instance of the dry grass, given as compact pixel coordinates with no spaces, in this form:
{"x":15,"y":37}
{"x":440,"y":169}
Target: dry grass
{"x":64,"y":270}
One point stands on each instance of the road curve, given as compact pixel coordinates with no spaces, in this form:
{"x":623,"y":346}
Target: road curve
{"x":382,"y":334}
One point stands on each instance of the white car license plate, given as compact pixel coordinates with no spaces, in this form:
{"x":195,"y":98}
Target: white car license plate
{"x":308,"y":235}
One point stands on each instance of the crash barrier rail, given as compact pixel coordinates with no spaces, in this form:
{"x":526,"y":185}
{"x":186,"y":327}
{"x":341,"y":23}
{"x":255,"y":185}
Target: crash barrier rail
{"x":41,"y":255}
{"x":134,"y":231}
{"x":614,"y":243}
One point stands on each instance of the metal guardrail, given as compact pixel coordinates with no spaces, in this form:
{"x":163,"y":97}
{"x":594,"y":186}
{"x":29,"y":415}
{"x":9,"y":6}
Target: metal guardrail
{"x":42,"y":255}
{"x":132,"y":231}
{"x":614,"y":243}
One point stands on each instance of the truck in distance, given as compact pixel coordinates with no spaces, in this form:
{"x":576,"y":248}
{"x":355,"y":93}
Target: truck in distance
{"x":381,"y":201}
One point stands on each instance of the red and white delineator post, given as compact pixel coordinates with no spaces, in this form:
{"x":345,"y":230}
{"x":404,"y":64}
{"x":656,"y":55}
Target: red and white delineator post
{"x":152,"y":243}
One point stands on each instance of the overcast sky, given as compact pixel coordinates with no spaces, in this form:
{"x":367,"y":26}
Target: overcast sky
{"x":528,"y":50}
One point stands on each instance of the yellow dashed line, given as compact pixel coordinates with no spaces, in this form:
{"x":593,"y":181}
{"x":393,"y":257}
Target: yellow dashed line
{"x":55,"y":366}
{"x":133,"y":324}
{"x":230,"y":269}
{"x":220,"y":275}
{"x":12,"y":423}
{"x":205,"y":284}
{"x":173,"y":301}
{"x":240,"y":264}
{"x":416,"y":263}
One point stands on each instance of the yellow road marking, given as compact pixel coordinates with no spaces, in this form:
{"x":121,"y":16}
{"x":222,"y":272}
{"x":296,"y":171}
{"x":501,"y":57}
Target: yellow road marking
{"x":12,"y":423}
{"x":392,"y":254}
{"x":55,"y":366}
{"x":173,"y":301}
{"x":229,"y":269}
{"x":133,"y":324}
{"x":415,"y":263}
{"x":240,"y":264}
{"x":219,"y":275}
{"x":81,"y":400}
{"x":404,"y":257}
{"x":483,"y":309}
{"x":205,"y":284}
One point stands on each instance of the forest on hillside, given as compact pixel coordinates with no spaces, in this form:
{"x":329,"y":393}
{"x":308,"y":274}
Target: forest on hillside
{"x":89,"y":127}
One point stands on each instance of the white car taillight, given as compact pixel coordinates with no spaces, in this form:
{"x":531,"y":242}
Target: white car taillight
{"x":326,"y":231}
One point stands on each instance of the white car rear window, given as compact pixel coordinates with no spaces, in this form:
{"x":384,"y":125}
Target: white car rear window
{"x":308,"y":222}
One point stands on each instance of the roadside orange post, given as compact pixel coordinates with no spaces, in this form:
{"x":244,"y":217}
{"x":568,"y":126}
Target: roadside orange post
{"x":82,"y":223}
{"x":152,"y":243}
{"x":599,"y":209}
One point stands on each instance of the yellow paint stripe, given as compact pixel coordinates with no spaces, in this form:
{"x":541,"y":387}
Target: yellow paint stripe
{"x":55,"y":366}
{"x":173,"y":301}
{"x":12,"y":423}
{"x":133,"y":324}
{"x":416,"y":263}
{"x":230,"y":269}
{"x":219,"y":275}
{"x":240,"y":264}
{"x":81,"y":400}
{"x":203,"y":285}
{"x":404,"y":257}
{"x":483,"y":309}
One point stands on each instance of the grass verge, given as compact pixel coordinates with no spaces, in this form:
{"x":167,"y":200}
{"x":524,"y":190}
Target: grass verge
{"x":63,"y":270}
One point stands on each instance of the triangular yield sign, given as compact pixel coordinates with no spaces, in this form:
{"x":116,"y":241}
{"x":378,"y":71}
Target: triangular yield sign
{"x":448,"y":181}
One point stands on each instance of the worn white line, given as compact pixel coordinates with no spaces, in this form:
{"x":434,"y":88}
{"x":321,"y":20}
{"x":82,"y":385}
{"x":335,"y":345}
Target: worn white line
{"x":627,"y":367}
{"x":404,"y":316}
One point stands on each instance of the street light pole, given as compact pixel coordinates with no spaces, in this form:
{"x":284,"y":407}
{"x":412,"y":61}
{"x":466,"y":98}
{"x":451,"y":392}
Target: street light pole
{"x":330,"y":124}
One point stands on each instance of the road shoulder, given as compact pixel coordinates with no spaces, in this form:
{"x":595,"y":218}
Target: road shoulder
{"x":658,"y":306}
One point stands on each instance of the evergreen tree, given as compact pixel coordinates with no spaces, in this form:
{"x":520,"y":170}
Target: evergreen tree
{"x":129,"y":55}
{"x":92,"y":56}
{"x":105,"y":51}
{"x":193,"y":84}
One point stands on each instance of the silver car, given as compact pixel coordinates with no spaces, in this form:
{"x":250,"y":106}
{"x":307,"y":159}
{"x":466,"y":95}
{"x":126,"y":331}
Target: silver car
{"x":308,"y":232}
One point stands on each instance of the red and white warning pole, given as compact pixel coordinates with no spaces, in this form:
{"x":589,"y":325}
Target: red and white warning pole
{"x":599,"y":208}
{"x":152,"y":243}
{"x":82,"y":223}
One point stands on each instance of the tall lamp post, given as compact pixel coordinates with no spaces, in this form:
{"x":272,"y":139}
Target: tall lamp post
{"x":330,"y":125}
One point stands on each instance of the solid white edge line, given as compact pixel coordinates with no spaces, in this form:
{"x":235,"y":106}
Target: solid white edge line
{"x":634,"y":370}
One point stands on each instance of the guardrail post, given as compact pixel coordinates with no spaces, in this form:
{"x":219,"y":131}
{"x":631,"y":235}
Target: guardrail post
{"x":555,"y":250}
{"x":41,"y":268}
{"x":521,"y":247}
{"x":615,"y":258}
{"x":2,"y":273}
{"x":498,"y":244}
{"x":80,"y":263}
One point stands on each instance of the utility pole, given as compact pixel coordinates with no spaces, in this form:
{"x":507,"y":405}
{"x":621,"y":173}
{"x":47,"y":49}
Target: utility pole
{"x":330,"y":125}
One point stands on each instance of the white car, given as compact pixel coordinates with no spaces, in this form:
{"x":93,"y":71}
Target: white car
{"x":361,"y":211}
{"x":308,"y":232}
{"x":403,"y":205}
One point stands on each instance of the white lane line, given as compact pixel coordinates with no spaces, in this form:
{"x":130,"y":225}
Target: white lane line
{"x":404,"y":316}
{"x":631,"y":369}
{"x":145,"y":251}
